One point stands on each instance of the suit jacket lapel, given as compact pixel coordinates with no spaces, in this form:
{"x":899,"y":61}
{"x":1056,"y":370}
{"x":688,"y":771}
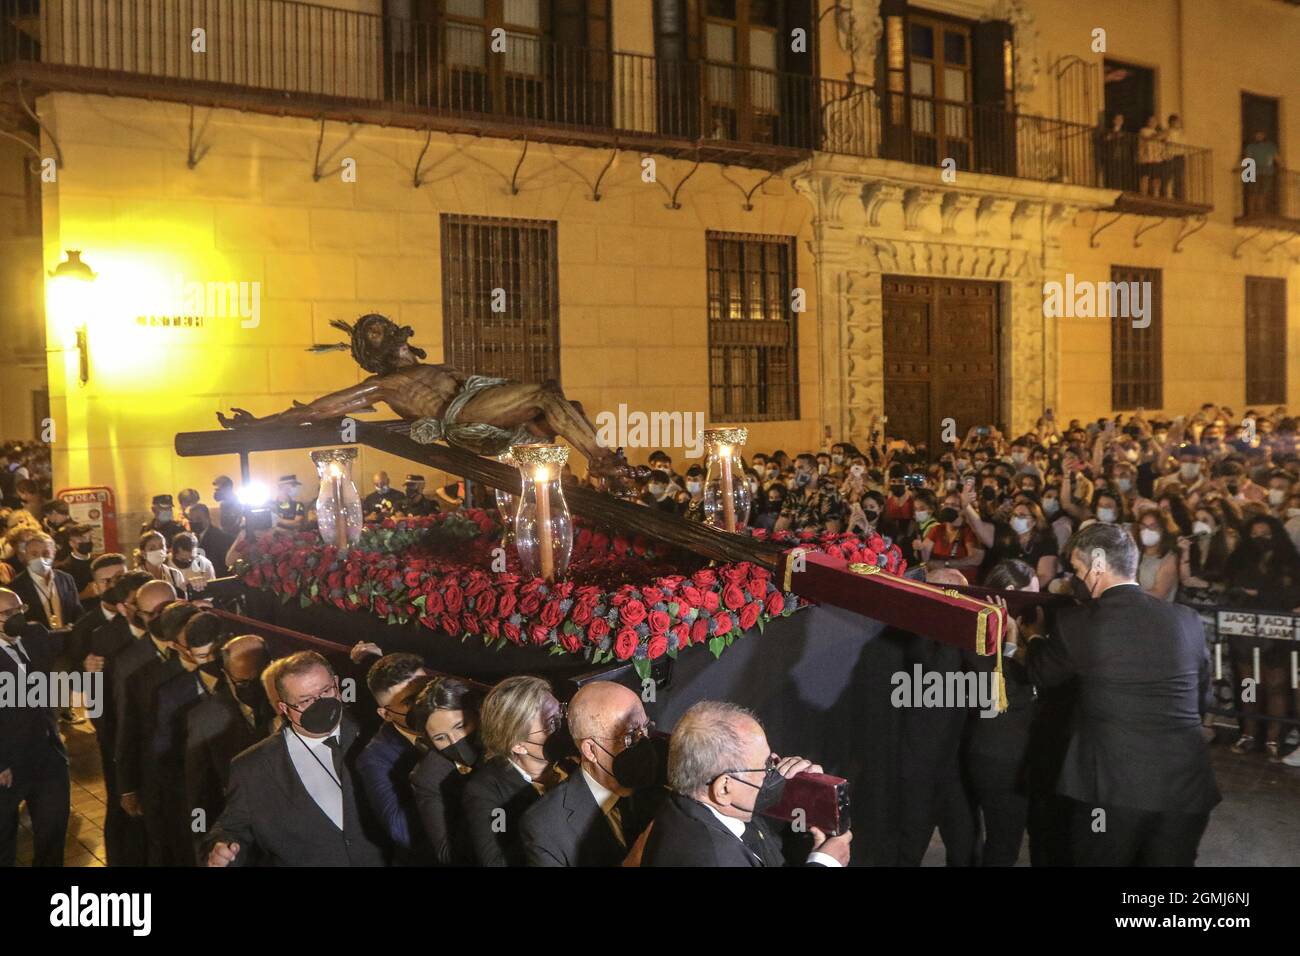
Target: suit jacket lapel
{"x":586,"y":817}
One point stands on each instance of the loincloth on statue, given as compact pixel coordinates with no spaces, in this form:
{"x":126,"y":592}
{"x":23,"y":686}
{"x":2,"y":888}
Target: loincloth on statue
{"x":478,"y":437}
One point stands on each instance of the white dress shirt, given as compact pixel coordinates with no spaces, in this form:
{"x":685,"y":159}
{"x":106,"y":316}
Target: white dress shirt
{"x":311,"y":757}
{"x":12,"y":651}
{"x":606,"y":799}
{"x":738,"y":828}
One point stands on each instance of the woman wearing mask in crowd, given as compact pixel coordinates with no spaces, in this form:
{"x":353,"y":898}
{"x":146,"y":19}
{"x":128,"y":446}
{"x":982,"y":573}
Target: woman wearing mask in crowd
{"x":864,"y":515}
{"x":520,"y":718}
{"x":769,"y":505}
{"x":448,"y":710}
{"x":1279,"y":489}
{"x":950,"y":543}
{"x":1203,"y":558}
{"x":1291,"y":518}
{"x":1264,"y":574}
{"x":151,"y":557}
{"x":1108,"y":508}
{"x":1157,"y":544}
{"x":1174,"y":506}
{"x":924,"y":517}
{"x":658,"y":492}
{"x":855,"y":484}
{"x":996,"y":749}
{"x":1062,"y":524}
{"x":1023,"y":535}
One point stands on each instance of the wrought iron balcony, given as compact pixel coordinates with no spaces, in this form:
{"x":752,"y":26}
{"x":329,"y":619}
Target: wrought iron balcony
{"x":1159,"y":177}
{"x":1271,"y":202}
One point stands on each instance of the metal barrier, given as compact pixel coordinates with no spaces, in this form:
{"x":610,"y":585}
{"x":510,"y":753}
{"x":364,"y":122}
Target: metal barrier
{"x":1259,"y":629}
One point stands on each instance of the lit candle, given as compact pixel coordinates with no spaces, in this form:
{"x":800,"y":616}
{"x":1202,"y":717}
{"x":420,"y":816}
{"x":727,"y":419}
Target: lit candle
{"x":728,"y":491}
{"x":541,"y":488}
{"x":340,"y":515}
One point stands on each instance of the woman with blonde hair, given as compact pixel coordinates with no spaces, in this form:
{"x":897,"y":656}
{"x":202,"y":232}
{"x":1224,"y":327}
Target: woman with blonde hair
{"x":519,"y":716}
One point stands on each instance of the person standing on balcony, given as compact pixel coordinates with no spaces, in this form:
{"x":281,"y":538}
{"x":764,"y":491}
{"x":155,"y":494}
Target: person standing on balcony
{"x":1261,"y":197}
{"x":1175,"y":161}
{"x":1117,"y":150}
{"x":1151,"y":157}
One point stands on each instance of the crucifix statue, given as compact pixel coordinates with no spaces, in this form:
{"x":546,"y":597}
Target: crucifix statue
{"x":478,"y":413}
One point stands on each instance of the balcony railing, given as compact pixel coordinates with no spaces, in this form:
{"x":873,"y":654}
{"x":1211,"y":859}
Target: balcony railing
{"x":1157,"y":176}
{"x":1270,"y":201}
{"x":296,"y":58}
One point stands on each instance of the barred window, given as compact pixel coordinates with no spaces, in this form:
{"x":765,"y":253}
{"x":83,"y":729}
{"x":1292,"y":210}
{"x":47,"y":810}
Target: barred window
{"x":1265,"y":341}
{"x":1136,"y":359}
{"x":753,"y":346}
{"x":500,"y":297}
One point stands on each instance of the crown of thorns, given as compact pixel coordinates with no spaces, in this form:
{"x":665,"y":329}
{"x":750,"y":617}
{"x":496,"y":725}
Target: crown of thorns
{"x":375,"y":341}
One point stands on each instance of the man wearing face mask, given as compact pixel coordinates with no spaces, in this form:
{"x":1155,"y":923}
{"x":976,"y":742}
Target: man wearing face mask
{"x":56,"y":519}
{"x":230,"y":512}
{"x":190,"y":562}
{"x":1142,"y":671}
{"x":658,"y":492}
{"x":224,"y":723}
{"x":212,"y":541}
{"x":195,"y":646}
{"x":414,"y":501}
{"x":722,"y":775}
{"x":81,"y":545}
{"x":290,"y":513}
{"x":163,"y":521}
{"x":274,"y":784}
{"x":385,"y":763}
{"x":595,"y":816}
{"x":384,"y":499}
{"x":33,"y":762}
{"x":50,"y":594}
{"x":141,"y":777}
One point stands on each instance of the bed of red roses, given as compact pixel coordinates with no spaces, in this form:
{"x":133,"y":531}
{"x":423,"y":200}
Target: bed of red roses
{"x":622,"y":598}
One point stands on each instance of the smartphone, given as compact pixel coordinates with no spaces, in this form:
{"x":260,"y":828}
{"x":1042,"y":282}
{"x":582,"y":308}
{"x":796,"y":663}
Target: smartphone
{"x":970,"y":484}
{"x":814,"y":800}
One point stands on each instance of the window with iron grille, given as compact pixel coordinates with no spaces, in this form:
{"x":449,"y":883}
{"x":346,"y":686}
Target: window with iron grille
{"x":509,"y":264}
{"x":1265,"y":341}
{"x":753,"y":346}
{"x":1136,"y":359}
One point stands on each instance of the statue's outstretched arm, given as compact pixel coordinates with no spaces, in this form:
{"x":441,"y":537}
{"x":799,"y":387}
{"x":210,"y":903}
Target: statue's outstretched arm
{"x":334,"y":405}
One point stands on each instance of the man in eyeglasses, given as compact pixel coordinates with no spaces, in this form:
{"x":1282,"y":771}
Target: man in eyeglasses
{"x":595,"y":816}
{"x":723,"y":775}
{"x":385,"y":763}
{"x":33,"y":761}
{"x":310,"y":761}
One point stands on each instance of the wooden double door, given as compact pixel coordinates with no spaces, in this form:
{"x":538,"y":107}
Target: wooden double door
{"x":942,"y":356}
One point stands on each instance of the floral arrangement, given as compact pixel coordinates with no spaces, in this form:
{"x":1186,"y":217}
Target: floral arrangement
{"x":624,"y":598}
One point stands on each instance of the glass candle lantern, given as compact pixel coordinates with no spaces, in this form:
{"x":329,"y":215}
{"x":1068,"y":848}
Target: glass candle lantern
{"x":338,"y":505}
{"x":727,"y":498}
{"x":507,"y":503}
{"x":543,"y":528}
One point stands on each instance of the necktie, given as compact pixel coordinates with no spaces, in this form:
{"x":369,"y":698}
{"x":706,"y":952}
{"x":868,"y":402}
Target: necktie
{"x":27,"y":661}
{"x":753,"y":841}
{"x":615,"y":816}
{"x":336,"y":751}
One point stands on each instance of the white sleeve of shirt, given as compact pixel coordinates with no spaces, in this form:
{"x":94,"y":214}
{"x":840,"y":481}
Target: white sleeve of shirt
{"x":823,"y":859}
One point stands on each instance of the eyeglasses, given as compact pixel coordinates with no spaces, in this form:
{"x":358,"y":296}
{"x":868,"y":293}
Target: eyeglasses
{"x":768,"y":765}
{"x":635,"y":735}
{"x":18,"y":609}
{"x":331,"y":691}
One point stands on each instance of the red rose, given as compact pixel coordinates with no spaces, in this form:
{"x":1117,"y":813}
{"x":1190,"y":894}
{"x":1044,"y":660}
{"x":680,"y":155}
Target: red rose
{"x":632,"y":613}
{"x":492,"y":626}
{"x":652,"y":596}
{"x":699,"y":630}
{"x":724,"y":622}
{"x":449,"y":624}
{"x":581,"y":614}
{"x":485,"y":603}
{"x":659,"y":621}
{"x":453,"y":598}
{"x":625,"y":644}
{"x":749,"y":615}
{"x":571,"y":643}
{"x":381,"y":607}
{"x":506,"y":606}
{"x":775,"y":603}
{"x":511,"y":632}
{"x":598,"y":629}
{"x":471,"y":623}
{"x":658,"y":645}
{"x":711,"y":601}
{"x":539,"y":633}
{"x":551,"y":614}
{"x":693,"y":595}
{"x":704,"y":577}
{"x":412,"y":579}
{"x":529,"y":604}
{"x":733,"y":597}
{"x":682,"y":631}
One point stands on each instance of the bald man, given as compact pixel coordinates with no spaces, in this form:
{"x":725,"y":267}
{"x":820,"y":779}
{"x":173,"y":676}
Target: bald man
{"x":594,"y":817}
{"x":225,"y":723}
{"x":383,"y":499}
{"x":33,"y":762}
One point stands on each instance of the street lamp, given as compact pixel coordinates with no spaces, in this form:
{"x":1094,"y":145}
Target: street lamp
{"x":70,"y":302}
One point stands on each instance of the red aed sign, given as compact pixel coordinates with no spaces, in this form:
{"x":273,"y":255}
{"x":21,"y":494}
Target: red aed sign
{"x":97,"y":508}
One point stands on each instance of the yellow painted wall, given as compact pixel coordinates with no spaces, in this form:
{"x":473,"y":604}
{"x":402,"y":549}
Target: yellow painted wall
{"x":632,"y":280}
{"x":22,"y":342}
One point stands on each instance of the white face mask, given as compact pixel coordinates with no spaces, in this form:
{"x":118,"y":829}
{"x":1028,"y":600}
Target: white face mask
{"x":155,"y":558}
{"x":1018,"y":457}
{"x":1201,"y":528}
{"x":1020,"y":524}
{"x":694,"y":487}
{"x":40,"y":566}
{"x":1051,"y":505}
{"x":658,"y":490}
{"x":1276,"y":496}
{"x":1125,"y":484}
{"x":922,"y":517}
{"x":1106,"y":515}
{"x":823,"y":468}
{"x":1150,"y":537}
{"x":1189,"y":470}
{"x":1293,"y":512}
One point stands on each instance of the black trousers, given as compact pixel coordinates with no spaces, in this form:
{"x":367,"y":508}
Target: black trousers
{"x":123,"y":834}
{"x":996,"y":787}
{"x":1129,"y":837}
{"x":46,"y":787}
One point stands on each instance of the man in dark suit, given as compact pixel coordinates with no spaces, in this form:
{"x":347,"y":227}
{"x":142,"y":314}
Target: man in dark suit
{"x":293,"y":797}
{"x":722,"y":773}
{"x":142,"y":765}
{"x":225,"y":723}
{"x":212,"y":539}
{"x":594,"y":818}
{"x":386,"y":762}
{"x":105,"y":570}
{"x":50,"y":594}
{"x":33,"y":762}
{"x":1137,"y":766}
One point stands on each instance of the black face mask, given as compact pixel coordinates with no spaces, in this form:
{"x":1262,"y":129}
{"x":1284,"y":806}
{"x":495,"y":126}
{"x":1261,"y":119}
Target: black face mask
{"x":465,"y":751}
{"x":211,"y":668}
{"x":248,"y":692}
{"x":897,"y":489}
{"x":989,"y":493}
{"x":644,"y":764}
{"x":182,"y":564}
{"x":155,"y":629}
{"x":15,"y":624}
{"x":769,"y":791}
{"x":948,"y":515}
{"x":85,"y":547}
{"x":1080,"y":589}
{"x":322,"y":716}
{"x":559,"y":745}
